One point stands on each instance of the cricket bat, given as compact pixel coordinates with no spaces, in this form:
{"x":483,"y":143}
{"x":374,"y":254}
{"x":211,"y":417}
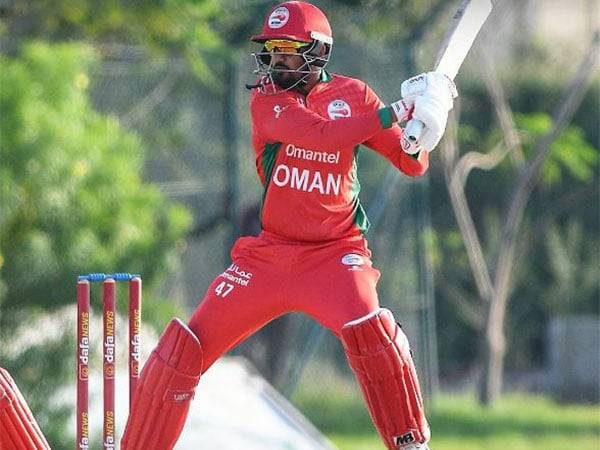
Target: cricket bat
{"x":466,"y":23}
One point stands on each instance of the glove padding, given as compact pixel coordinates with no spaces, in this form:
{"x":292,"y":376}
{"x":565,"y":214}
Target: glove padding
{"x":409,"y":90}
{"x":432,"y":108}
{"x":414,"y":86}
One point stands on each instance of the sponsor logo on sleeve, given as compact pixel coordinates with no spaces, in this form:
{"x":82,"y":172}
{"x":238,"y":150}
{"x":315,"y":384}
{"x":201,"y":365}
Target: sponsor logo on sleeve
{"x":354,"y":261}
{"x":338,"y":109}
{"x":279,"y":17}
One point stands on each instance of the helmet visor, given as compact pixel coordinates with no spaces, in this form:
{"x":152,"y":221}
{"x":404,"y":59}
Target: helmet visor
{"x":284,"y":45}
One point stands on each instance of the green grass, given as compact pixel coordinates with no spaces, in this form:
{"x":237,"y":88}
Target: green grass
{"x":517,"y":422}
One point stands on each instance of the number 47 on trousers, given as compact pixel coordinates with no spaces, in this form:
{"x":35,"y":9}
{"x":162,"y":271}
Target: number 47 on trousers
{"x":223,"y":289}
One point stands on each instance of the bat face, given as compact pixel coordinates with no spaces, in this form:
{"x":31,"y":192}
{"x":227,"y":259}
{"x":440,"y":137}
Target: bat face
{"x":468,"y":20}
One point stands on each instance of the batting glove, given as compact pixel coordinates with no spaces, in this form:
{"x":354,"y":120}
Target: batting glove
{"x":432,"y":108}
{"x":409,"y":90}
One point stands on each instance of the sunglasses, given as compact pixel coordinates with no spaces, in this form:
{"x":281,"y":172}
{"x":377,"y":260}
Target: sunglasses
{"x":284,"y":45}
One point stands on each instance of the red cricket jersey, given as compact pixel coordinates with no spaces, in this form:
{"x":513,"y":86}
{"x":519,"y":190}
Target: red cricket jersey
{"x":306,"y":156}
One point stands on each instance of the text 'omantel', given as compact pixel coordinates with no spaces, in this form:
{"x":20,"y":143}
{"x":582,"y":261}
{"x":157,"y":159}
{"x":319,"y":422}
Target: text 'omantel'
{"x":305,"y":179}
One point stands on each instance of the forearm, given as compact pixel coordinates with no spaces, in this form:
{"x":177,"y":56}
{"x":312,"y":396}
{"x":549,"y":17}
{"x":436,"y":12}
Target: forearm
{"x":316,"y":133}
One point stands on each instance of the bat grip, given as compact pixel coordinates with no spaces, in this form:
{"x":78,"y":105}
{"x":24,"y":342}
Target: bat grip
{"x":413,"y":130}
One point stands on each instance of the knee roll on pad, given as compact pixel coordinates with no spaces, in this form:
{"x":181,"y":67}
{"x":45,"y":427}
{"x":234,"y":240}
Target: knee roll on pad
{"x":18,"y":428}
{"x":379,"y":355}
{"x":162,"y":398}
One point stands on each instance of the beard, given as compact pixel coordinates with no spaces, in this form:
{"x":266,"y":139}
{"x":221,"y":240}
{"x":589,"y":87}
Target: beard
{"x":285,"y":80}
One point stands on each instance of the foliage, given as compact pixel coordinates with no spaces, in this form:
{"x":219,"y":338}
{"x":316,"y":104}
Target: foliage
{"x":570,"y":154}
{"x":389,"y":20}
{"x":71,"y":191}
{"x":72,"y":201}
{"x":561,"y":225}
{"x":166,"y":28}
{"x":574,"y":269}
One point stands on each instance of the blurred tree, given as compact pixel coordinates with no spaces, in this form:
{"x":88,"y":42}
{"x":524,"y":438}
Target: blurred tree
{"x":574,"y":258}
{"x":553,"y":204}
{"x":71,"y":189}
{"x":166,"y":28}
{"x":402,"y":25}
{"x":495,"y":280}
{"x":72,"y":201}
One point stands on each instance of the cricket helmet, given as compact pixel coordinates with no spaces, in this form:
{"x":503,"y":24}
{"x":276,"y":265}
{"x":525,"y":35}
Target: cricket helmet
{"x":296,"y":21}
{"x":302,"y":25}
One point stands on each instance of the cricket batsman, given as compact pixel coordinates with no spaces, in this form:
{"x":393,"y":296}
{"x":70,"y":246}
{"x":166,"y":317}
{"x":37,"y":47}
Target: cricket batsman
{"x":311,"y":255}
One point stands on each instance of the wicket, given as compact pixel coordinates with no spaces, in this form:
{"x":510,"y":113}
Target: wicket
{"x":109,"y":350}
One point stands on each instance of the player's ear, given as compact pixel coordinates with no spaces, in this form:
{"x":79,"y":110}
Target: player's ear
{"x":319,"y":51}
{"x":322,"y":49}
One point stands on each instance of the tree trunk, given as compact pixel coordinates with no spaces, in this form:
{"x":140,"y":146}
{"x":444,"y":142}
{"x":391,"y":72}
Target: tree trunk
{"x":496,"y":294}
{"x":494,"y":351}
{"x":495,"y":341}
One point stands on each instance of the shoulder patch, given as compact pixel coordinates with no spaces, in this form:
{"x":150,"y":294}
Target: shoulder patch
{"x":338,"y":109}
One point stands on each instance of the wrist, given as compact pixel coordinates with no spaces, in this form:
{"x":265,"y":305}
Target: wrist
{"x":401,"y":110}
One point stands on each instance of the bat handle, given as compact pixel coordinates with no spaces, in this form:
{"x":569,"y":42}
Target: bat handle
{"x":412,"y":134}
{"x":413,"y":130}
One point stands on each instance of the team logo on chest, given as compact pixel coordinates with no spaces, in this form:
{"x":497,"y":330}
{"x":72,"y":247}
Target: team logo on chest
{"x":338,"y":109}
{"x":279,"y":17}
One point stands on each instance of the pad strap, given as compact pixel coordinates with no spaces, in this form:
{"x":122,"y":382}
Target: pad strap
{"x":379,"y":355}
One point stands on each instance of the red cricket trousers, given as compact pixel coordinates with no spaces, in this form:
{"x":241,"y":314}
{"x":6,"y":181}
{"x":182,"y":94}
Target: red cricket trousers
{"x":333,"y":282}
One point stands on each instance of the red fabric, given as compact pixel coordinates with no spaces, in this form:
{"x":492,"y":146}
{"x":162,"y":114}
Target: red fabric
{"x":311,"y":194}
{"x":165,"y":390}
{"x":18,"y":428}
{"x":268,"y":278}
{"x":380,"y":357}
